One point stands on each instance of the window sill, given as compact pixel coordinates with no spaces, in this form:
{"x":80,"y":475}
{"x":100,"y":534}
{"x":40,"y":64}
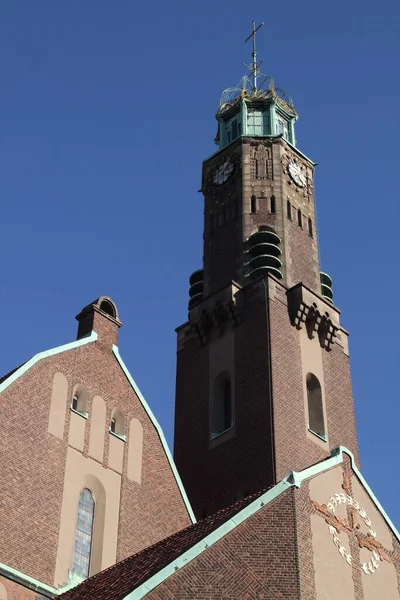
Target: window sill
{"x":78,"y":412}
{"x":318,"y":435}
{"x":117,"y":435}
{"x":216,"y":435}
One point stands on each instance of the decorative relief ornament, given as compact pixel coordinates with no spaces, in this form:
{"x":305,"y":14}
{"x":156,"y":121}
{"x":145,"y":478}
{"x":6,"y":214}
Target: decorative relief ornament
{"x":261,"y":159}
{"x":337,"y":525}
{"x":223,"y":172}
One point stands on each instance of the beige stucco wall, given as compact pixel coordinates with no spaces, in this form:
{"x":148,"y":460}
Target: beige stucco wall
{"x":135,"y":451}
{"x":105,"y":484}
{"x":383,"y":583}
{"x":333,"y":576}
{"x":58,"y":405}
{"x":116,"y":453}
{"x":97,"y":428}
{"x":378,"y":523}
{"x":311,"y":362}
{"x":3,"y":592}
{"x":76,"y":437}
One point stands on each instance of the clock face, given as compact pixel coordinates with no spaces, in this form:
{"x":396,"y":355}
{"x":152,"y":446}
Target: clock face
{"x":296,"y":173}
{"x":223,"y":173}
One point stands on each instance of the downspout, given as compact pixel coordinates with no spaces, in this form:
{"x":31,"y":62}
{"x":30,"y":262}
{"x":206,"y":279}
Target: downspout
{"x":269,"y":372}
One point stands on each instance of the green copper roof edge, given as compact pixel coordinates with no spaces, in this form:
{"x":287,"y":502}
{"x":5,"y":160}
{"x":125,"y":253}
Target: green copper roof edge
{"x":159,"y":431}
{"x":28,"y":582}
{"x":208,"y":541}
{"x":53,"y":351}
{"x":294,"y":479}
{"x":301,"y":154}
{"x":375,"y":500}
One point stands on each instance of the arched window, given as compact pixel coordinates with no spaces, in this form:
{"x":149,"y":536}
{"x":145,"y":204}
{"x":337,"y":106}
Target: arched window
{"x":299,"y":218}
{"x":108,"y":308}
{"x":315,"y":406}
{"x":289,"y":210}
{"x":117,"y":423}
{"x":253,"y":204}
{"x":80,"y":399}
{"x":273,"y":205}
{"x":221,"y":405}
{"x":310,"y":228}
{"x":83,"y":534}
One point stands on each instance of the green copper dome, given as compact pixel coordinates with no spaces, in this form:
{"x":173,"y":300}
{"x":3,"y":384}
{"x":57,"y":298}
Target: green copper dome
{"x":255,"y":107}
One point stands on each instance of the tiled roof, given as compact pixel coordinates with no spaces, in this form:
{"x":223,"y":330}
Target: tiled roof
{"x":119,"y":580}
{"x":7,"y":375}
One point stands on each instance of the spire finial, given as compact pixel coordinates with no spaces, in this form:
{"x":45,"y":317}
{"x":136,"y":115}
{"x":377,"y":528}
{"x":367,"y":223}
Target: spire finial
{"x":254,"y":67}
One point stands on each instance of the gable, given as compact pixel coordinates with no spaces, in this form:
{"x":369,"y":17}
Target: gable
{"x":353,"y":543}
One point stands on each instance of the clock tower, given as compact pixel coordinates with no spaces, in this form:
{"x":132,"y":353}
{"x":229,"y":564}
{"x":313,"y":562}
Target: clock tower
{"x":263,"y":378}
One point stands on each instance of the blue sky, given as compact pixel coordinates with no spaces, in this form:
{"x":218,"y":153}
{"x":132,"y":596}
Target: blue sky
{"x":107,"y":111}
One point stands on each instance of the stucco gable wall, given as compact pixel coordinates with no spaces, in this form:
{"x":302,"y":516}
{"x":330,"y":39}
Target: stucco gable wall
{"x":334,"y":565}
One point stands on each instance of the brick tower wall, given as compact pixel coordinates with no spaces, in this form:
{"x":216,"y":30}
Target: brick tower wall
{"x":240,"y":461}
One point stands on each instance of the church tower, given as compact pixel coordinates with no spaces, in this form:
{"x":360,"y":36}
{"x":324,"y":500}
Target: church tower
{"x":263,"y":377}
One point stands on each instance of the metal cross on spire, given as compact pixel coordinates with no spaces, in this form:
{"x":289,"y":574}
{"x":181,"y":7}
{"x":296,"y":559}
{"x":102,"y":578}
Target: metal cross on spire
{"x":254,"y":67}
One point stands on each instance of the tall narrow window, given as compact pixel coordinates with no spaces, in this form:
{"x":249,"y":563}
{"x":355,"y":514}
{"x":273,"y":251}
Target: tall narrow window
{"x":83,"y":534}
{"x":282,"y":127}
{"x":221,"y":405}
{"x":79,"y":399}
{"x":299,"y":218}
{"x":273,"y":205}
{"x":315,"y":406}
{"x":310,"y":228}
{"x":117,"y":422}
{"x":289,"y":210}
{"x":253,"y":204}
{"x":234,"y":129}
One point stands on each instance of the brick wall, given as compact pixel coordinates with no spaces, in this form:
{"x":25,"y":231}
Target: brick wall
{"x":32,"y":462}
{"x":15,"y":591}
{"x":339,"y":397}
{"x":213,"y":476}
{"x":255,"y":560}
{"x":302,"y":264}
{"x":294,"y":451}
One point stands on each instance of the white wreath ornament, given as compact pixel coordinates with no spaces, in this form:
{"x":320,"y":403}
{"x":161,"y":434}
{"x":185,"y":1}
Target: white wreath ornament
{"x":370,"y":567}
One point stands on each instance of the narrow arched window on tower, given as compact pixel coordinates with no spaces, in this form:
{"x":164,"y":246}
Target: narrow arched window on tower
{"x":273,"y":205}
{"x":253,"y":204}
{"x":299,"y":218}
{"x":310,"y":228}
{"x":221,"y":405}
{"x":315,"y":406}
{"x":83,"y":535}
{"x":289,"y":210}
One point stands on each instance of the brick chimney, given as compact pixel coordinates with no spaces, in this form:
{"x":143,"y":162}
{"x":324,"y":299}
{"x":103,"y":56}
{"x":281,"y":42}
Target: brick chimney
{"x":100,"y":316}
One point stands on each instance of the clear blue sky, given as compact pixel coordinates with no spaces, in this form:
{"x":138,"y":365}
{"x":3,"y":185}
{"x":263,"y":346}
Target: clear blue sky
{"x":107,"y":111}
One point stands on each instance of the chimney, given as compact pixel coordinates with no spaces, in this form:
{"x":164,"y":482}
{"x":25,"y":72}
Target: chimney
{"x":100,"y":316}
